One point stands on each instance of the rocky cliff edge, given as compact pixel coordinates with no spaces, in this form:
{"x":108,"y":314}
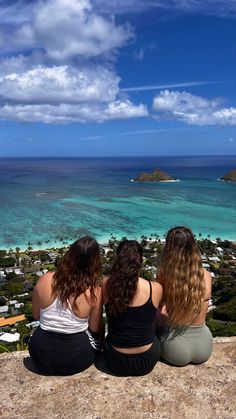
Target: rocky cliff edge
{"x":194,"y":392}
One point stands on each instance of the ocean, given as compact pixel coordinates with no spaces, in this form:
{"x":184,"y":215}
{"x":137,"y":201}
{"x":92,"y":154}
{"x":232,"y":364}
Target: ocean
{"x":48,"y":201}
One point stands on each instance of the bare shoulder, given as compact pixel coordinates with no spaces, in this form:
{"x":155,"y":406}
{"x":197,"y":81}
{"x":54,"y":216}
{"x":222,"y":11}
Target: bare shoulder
{"x":156,"y":286}
{"x":97,"y":294}
{"x":156,"y":293}
{"x":45,"y":280}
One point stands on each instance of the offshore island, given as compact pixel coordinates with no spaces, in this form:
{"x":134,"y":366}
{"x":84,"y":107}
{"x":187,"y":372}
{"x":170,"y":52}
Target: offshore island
{"x":156,"y":175}
{"x":230,"y":176}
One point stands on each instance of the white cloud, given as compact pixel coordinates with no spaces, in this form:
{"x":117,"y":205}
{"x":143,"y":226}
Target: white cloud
{"x":171,"y":101}
{"x":58,"y":84}
{"x":67,"y":113}
{"x":58,"y":78}
{"x":66,"y":29}
{"x":125,"y":110}
{"x":61,"y":80}
{"x":193,"y":110}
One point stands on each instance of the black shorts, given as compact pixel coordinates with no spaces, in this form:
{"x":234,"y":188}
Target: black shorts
{"x":132,"y":364}
{"x":59,"y":353}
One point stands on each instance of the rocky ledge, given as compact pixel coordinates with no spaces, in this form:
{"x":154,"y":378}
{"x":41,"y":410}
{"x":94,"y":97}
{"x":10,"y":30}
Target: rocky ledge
{"x":155,"y":176}
{"x":230,"y":176}
{"x":192,"y":392}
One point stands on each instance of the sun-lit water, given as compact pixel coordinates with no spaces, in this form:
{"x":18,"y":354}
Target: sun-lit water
{"x":53,"y":199}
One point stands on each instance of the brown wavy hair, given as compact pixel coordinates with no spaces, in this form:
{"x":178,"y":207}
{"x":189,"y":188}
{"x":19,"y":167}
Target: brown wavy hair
{"x":79,"y":270}
{"x":182,"y":276}
{"x":123,"y":280}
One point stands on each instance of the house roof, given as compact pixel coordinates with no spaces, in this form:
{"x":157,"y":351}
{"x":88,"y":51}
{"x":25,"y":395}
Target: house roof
{"x":11,"y":320}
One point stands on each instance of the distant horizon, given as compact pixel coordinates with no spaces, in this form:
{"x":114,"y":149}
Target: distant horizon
{"x":120,"y":156}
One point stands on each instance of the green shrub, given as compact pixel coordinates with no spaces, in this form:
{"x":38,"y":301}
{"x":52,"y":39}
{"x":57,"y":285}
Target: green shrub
{"x":219,"y":328}
{"x":226,"y":311}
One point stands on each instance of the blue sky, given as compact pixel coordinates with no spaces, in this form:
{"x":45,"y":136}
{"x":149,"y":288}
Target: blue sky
{"x":120,"y":78}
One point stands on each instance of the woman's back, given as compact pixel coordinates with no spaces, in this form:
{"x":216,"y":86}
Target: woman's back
{"x":68,"y":304}
{"x":131,"y":347}
{"x":134,"y":327}
{"x":45,"y":296}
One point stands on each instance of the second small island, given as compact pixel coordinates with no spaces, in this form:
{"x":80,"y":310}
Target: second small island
{"x":230,"y":176}
{"x":156,"y":175}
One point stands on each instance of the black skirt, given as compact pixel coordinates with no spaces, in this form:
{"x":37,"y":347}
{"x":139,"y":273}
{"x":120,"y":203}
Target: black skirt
{"x":61,"y":354}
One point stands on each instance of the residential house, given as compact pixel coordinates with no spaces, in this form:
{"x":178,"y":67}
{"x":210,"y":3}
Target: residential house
{"x":4,"y":310}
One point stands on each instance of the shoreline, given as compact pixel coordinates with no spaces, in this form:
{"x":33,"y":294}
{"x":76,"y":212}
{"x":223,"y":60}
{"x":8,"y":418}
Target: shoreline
{"x":103,"y":241}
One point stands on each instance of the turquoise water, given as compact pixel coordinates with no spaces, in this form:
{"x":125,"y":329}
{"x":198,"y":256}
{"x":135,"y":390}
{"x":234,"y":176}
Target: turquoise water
{"x":58,"y":200}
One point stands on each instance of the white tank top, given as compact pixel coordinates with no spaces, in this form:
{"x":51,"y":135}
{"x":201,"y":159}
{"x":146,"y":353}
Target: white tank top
{"x":57,"y":318}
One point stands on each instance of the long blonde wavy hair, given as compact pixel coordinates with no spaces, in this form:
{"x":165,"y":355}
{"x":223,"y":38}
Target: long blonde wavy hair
{"x":182,"y":277}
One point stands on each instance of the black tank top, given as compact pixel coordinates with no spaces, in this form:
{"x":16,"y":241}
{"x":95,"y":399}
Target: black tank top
{"x":134,"y":327}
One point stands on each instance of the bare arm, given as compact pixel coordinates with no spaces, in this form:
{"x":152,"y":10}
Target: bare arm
{"x":41,"y":294}
{"x":208,"y":282}
{"x":104,"y":286}
{"x":96,"y":319}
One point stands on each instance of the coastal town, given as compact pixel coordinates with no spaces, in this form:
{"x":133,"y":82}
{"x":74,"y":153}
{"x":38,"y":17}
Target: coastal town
{"x":20,"y":270}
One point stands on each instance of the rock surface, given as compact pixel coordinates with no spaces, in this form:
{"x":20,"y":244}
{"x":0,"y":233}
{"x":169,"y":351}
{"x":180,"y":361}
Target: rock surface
{"x":155,"y":176}
{"x":229,"y":177}
{"x":193,"y":392}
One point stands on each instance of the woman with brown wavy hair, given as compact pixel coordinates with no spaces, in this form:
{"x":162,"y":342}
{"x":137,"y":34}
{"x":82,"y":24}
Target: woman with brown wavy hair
{"x":131,"y":347}
{"x":186,"y":294}
{"x":68,"y":305}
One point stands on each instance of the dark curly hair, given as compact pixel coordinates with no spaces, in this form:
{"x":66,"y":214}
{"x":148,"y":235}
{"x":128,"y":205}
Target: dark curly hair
{"x":79,"y":270}
{"x":123,"y":279}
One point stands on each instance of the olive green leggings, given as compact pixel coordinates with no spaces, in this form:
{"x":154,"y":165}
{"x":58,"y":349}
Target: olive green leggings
{"x":182,"y":345}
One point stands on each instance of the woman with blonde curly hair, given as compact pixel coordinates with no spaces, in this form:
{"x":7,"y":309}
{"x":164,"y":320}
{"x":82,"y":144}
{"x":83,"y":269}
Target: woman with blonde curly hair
{"x":186,"y":293}
{"x":131,"y":347}
{"x":68,"y":305}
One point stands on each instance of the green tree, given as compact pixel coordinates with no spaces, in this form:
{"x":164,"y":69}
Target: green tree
{"x":13,"y":288}
{"x":29,"y":246}
{"x":2,"y":253}
{"x":7,"y":262}
{"x":17,"y":249}
{"x":11,"y":275}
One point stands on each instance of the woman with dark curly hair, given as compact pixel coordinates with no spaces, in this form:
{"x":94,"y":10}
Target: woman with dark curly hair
{"x":131,"y":302}
{"x":68,"y":305}
{"x":186,"y":294}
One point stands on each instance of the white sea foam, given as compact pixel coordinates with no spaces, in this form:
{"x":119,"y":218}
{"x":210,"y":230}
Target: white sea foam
{"x":41,"y":194}
{"x":170,"y":181}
